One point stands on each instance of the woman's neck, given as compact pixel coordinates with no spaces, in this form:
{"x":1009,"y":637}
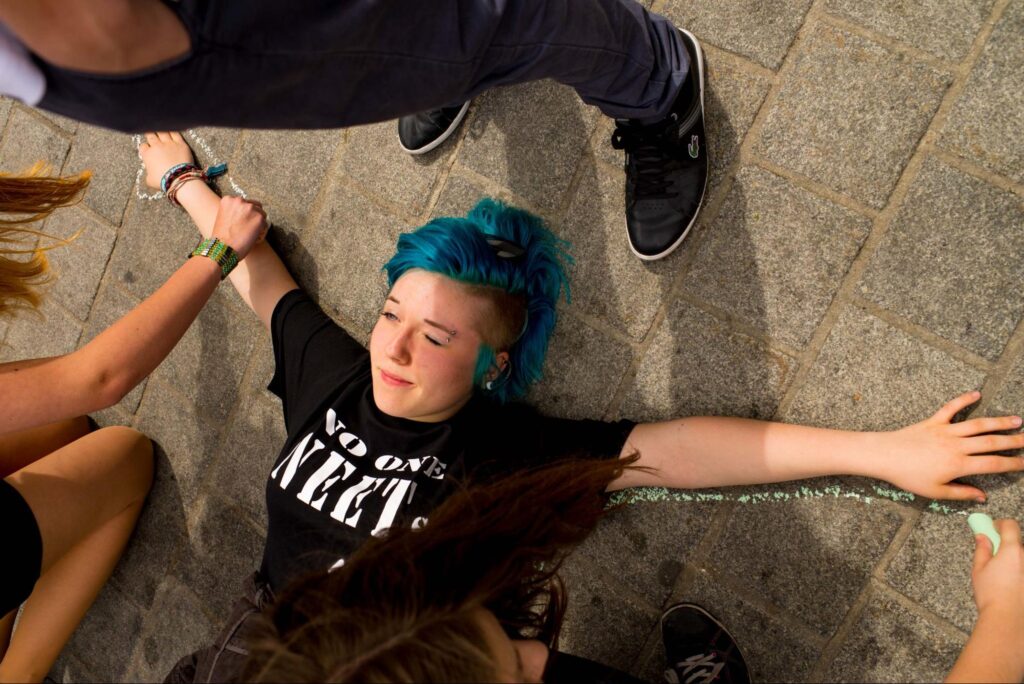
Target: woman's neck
{"x":102,"y":36}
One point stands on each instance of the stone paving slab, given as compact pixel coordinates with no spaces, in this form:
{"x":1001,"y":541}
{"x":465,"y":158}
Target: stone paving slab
{"x":810,"y":557}
{"x":602,"y":623}
{"x":643,"y":547}
{"x":893,"y":644}
{"x":986,"y":121}
{"x":953,"y":260}
{"x":241,"y":475}
{"x":570,"y":388}
{"x":175,"y":627}
{"x":622,"y":290}
{"x":945,"y":28}
{"x":528,"y":139}
{"x":373,"y":157}
{"x":934,"y":565}
{"x":866,"y":367}
{"x":758,"y":30}
{"x":79,"y":266}
{"x":28,"y":140}
{"x":48,"y":331}
{"x":767,"y":231}
{"x":113,"y":165}
{"x":697,"y":365}
{"x":855,"y":144}
{"x":341,"y":265}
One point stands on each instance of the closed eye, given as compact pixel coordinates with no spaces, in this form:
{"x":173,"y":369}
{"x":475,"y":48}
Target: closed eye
{"x":436,"y":343}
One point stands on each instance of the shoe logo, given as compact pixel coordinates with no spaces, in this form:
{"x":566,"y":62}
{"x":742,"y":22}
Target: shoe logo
{"x":694,"y":147}
{"x":698,"y":669}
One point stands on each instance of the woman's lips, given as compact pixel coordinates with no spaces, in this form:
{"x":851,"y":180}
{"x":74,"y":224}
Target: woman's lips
{"x":392,"y":380}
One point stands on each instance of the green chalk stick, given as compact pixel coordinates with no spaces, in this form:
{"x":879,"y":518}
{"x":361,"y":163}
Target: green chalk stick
{"x":982,"y":524}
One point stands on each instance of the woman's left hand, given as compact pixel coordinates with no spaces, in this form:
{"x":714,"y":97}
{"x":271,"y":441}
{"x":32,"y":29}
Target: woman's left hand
{"x":925,"y":457}
{"x":160,"y":152}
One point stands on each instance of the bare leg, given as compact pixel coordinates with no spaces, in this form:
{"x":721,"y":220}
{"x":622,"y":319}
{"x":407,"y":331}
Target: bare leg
{"x":18,"y":449}
{"x":6,"y":625}
{"x":86,"y":498}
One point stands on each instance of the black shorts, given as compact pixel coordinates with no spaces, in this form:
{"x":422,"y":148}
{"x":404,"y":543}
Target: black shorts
{"x":22,"y":567}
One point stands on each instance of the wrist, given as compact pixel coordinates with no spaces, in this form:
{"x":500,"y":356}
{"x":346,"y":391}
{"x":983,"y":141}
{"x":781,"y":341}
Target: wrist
{"x":218,"y":251}
{"x":192,"y":192}
{"x":873,"y":455}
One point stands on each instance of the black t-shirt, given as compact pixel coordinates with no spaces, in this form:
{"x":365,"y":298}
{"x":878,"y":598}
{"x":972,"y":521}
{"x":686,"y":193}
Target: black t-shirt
{"x":348,"y":471}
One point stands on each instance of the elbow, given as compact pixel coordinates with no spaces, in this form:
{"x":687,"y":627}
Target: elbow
{"x":108,"y":387}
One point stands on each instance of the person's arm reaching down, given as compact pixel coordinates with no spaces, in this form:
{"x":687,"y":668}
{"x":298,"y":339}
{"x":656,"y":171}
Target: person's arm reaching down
{"x":99,"y":374}
{"x":995,"y":651}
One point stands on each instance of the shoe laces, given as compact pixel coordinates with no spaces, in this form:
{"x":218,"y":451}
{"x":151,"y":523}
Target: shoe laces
{"x":648,"y":153}
{"x":702,"y":668}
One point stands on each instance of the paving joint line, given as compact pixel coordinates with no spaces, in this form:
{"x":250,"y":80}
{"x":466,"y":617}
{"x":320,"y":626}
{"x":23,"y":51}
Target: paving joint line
{"x":846,"y":292}
{"x":814,"y":187}
{"x":834,"y":645}
{"x":934,"y":340}
{"x":892,"y":44}
{"x":974,"y":169}
{"x":912,"y":606}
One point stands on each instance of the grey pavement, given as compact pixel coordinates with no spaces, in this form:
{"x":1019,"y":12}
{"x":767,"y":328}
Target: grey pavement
{"x":859,"y":261}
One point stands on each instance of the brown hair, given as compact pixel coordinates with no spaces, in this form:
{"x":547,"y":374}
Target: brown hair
{"x":404,"y":608}
{"x":29,"y":197}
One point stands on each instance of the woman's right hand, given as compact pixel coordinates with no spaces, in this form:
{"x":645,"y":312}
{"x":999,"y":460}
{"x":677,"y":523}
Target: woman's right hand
{"x":999,"y":580}
{"x":240,"y":224}
{"x":160,"y":152}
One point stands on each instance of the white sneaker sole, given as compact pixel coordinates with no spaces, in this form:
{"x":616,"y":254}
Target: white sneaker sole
{"x":671,"y":248}
{"x":444,"y":136}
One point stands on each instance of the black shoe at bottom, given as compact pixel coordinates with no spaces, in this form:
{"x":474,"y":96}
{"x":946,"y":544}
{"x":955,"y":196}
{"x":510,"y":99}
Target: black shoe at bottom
{"x":421,"y":132}
{"x":666,"y":167}
{"x":699,"y":649}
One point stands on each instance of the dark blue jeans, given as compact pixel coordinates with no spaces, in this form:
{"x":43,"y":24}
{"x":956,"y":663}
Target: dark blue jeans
{"x":331,"y":63}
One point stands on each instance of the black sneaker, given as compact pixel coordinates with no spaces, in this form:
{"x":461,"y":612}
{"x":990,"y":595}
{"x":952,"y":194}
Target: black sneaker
{"x":422,"y":132}
{"x":698,"y":648}
{"x":666,"y":167}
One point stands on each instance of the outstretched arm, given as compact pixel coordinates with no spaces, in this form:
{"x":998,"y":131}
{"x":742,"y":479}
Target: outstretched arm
{"x":995,"y":651}
{"x":103,"y":371}
{"x":262,"y":279}
{"x":923,"y":458}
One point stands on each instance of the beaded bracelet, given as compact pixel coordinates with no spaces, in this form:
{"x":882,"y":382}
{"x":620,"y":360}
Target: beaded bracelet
{"x":191,"y":174}
{"x":220,"y":252}
{"x":174,"y":172}
{"x":189,"y":169}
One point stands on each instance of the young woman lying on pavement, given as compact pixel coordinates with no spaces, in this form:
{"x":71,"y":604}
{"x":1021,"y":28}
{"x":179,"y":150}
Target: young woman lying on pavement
{"x":380,"y":437}
{"x":70,"y":496}
{"x":475,"y":596}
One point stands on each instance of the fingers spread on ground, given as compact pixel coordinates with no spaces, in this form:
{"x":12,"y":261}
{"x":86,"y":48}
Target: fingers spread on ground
{"x":982,"y":465}
{"x":954,"y":406}
{"x":978,"y":426}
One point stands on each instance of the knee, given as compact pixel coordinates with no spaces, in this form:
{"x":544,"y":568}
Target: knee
{"x":134,"y":454}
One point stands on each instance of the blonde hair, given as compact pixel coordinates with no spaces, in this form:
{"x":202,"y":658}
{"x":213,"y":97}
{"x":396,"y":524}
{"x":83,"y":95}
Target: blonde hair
{"x":24,"y":199}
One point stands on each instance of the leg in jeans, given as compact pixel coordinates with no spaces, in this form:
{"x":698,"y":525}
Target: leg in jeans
{"x":321,"y":63}
{"x":86,"y":497}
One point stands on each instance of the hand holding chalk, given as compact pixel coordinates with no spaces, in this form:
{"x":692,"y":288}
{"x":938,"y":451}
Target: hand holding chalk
{"x":982,"y":524}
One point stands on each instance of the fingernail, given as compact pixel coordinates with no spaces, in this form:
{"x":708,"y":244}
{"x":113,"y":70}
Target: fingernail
{"x":980,"y":499}
{"x":1016,"y":420}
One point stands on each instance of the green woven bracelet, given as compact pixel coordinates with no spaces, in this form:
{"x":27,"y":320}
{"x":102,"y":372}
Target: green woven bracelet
{"x":220,"y":252}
